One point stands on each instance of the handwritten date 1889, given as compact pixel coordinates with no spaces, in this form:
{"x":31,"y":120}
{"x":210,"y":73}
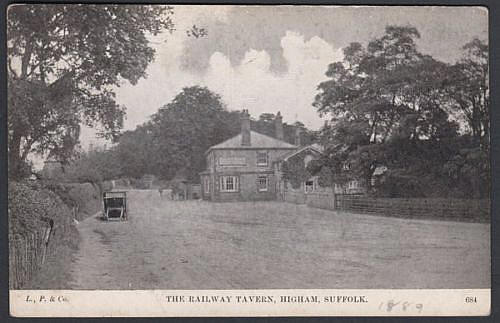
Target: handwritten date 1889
{"x":400,"y":305}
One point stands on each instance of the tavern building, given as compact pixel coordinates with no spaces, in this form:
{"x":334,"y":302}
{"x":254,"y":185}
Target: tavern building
{"x":247,"y":167}
{"x":243,"y":167}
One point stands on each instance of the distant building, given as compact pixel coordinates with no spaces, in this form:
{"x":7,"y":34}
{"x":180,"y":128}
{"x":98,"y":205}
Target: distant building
{"x":52,"y":168}
{"x":306,"y":154}
{"x":147,"y":181}
{"x":244,"y":167}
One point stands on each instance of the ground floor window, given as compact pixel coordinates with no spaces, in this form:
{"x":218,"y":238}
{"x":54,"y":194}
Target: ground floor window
{"x":207,"y":185}
{"x":353,"y":184}
{"x":229,"y":183}
{"x":309,"y":186}
{"x":262,"y":183}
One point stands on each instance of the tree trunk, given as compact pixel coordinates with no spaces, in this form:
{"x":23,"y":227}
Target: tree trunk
{"x":26,"y":58}
{"x":14,"y":153}
{"x":15,"y":159}
{"x":476,"y":123}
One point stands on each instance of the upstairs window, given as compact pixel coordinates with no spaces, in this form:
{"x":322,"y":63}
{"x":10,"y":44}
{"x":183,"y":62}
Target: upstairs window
{"x":308,"y":159}
{"x":262,"y":159}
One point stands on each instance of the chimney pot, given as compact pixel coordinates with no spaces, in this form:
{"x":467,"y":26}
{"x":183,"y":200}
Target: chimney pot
{"x":297,"y":136}
{"x":278,"y":124}
{"x":245,"y":128}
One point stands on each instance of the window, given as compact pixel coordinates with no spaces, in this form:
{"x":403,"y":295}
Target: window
{"x":228,"y":183}
{"x":308,"y":159}
{"x":261,"y":158}
{"x":262,"y":183}
{"x":207,"y":185}
{"x":353,"y":184}
{"x":309,"y":186}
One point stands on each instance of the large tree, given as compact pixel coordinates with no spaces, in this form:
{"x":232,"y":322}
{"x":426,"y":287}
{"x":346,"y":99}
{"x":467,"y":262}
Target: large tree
{"x":182,"y":130}
{"x":135,"y":153}
{"x":388,"y":107}
{"x":63,"y":63}
{"x":265,"y":124}
{"x":469,"y":90}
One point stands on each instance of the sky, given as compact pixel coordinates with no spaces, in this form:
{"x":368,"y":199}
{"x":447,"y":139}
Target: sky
{"x":271,"y":58}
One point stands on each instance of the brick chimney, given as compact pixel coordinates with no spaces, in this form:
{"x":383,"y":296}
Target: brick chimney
{"x":245,"y":128}
{"x":297,"y":136}
{"x":278,"y":124}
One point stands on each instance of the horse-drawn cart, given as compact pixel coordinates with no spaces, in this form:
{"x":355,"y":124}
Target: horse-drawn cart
{"x":114,"y":205}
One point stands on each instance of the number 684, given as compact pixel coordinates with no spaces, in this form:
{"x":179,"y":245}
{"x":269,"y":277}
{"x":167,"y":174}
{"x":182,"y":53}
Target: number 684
{"x":471,"y":299}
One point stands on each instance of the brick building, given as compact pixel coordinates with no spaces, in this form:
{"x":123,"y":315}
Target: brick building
{"x":244,"y":167}
{"x":248,"y":167}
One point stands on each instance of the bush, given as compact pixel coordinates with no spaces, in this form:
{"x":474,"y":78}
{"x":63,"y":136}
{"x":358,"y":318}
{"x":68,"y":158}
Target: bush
{"x":31,"y":206}
{"x":87,"y":197}
{"x":23,"y":171}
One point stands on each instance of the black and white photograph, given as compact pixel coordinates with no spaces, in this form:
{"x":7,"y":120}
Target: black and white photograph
{"x":188,"y":149}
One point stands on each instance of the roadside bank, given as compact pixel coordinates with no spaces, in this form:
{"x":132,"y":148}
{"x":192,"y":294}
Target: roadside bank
{"x":43,"y":237}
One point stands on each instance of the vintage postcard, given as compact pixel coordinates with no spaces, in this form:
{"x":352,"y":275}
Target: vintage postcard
{"x":248,"y":160}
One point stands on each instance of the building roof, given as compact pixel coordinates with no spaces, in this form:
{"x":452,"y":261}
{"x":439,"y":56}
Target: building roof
{"x":315,"y":147}
{"x":257,"y":141}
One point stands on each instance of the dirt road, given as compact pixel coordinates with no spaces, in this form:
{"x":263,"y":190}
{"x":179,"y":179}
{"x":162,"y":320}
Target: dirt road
{"x":203,"y":245}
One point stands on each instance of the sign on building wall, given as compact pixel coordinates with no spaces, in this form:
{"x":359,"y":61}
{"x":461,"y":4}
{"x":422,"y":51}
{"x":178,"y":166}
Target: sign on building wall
{"x":232,"y":161}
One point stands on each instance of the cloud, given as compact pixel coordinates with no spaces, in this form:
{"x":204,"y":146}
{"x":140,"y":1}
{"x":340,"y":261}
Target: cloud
{"x":252,"y":85}
{"x":444,"y":30}
{"x":266,"y":59}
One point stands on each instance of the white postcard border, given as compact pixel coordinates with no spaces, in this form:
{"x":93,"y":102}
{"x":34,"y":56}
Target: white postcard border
{"x":244,"y":303}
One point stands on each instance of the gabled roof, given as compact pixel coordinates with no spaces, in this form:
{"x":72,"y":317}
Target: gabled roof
{"x":257,"y":141}
{"x":314,"y":147}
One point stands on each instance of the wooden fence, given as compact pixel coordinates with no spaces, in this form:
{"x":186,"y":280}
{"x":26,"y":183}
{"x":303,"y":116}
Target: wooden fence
{"x":29,"y":250}
{"x":439,"y":208}
{"x":27,"y":253}
{"x":321,"y":200}
{"x":294,"y":197}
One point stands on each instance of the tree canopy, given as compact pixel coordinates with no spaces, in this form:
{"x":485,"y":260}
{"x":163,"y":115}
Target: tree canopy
{"x":63,"y":62}
{"x":391,"y":105}
{"x":173,"y":142}
{"x":182,"y":130}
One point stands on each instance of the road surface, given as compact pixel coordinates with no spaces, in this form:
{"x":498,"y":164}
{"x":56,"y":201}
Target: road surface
{"x":203,"y":245}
